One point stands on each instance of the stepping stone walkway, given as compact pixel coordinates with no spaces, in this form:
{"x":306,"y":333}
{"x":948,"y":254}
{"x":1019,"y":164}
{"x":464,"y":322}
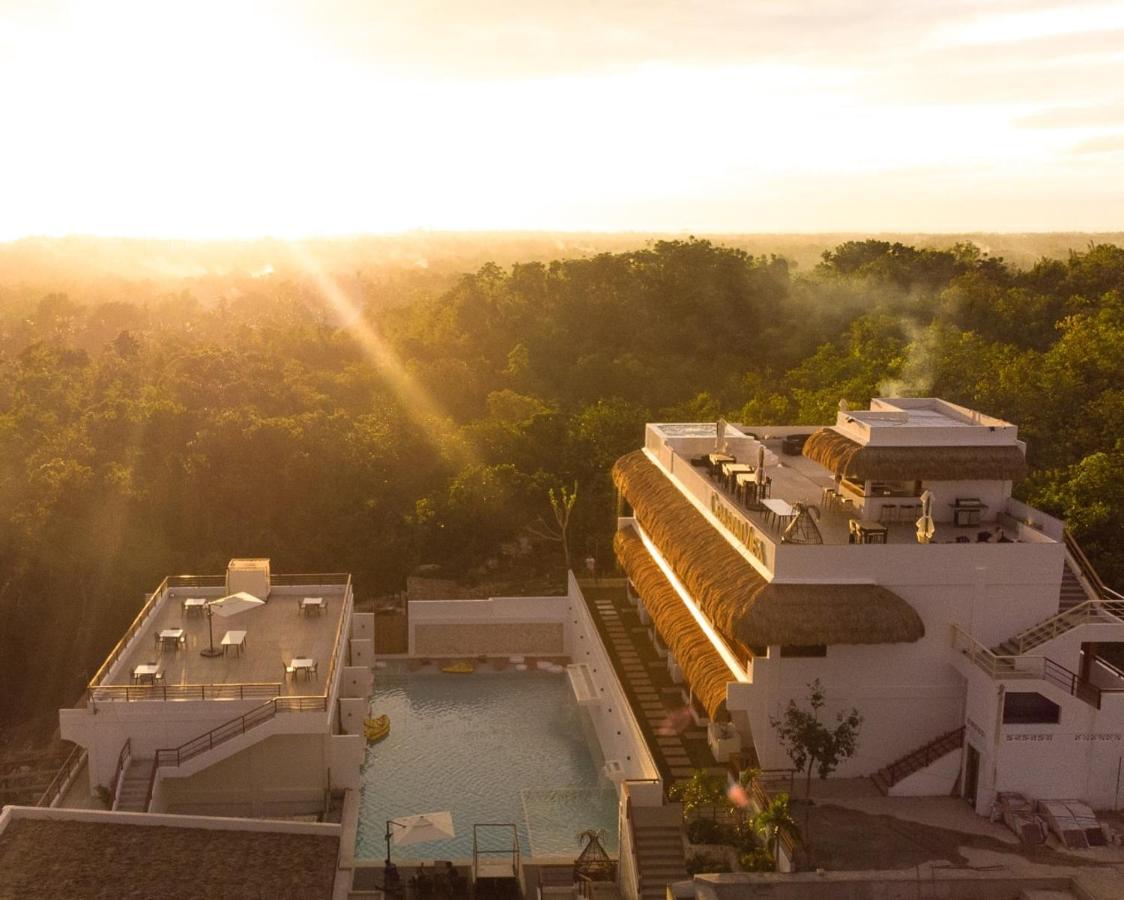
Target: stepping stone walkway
{"x":677,"y":744}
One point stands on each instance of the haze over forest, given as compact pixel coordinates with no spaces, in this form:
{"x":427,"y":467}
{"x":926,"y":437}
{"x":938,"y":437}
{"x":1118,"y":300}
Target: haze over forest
{"x":375,"y":404}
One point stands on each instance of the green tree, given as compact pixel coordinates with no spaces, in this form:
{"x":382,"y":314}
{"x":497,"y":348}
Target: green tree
{"x":811,"y":744}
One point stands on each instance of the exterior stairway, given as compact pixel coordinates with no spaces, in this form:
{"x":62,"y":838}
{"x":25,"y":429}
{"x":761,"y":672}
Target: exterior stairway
{"x":918,"y":759}
{"x":1072,"y":592}
{"x":659,"y":852}
{"x":134,"y":786}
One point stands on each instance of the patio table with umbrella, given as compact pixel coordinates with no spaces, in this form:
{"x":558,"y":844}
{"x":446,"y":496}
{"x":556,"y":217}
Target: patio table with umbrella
{"x":227,"y":606}
{"x":419,"y":829}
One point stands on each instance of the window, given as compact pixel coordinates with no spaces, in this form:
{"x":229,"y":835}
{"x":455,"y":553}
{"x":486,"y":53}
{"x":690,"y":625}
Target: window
{"x":800,"y":650}
{"x":1029,"y":708}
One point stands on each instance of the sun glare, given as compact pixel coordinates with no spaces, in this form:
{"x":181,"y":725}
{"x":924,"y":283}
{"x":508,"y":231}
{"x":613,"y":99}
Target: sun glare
{"x":243,"y":120}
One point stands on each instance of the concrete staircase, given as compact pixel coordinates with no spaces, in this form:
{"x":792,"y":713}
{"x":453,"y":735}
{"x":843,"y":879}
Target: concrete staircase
{"x":134,"y":786}
{"x":918,"y":759}
{"x":1072,"y":591}
{"x":660,"y":859}
{"x":1084,"y":613}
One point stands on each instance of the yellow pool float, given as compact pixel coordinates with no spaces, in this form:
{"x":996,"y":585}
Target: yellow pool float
{"x":376,"y":729}
{"x":461,"y":667}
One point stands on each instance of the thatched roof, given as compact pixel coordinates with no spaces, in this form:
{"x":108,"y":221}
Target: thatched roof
{"x":739,"y":602}
{"x":706,"y":672}
{"x":844,"y":456}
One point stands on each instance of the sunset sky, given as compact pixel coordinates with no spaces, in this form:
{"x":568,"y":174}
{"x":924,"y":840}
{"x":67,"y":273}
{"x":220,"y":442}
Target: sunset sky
{"x":291,"y":118}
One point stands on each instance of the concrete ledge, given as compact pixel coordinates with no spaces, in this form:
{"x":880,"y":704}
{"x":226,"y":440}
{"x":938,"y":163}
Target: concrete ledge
{"x":207,"y":823}
{"x":895,"y":884}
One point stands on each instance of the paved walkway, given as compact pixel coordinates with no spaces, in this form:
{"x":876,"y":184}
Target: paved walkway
{"x":677,"y":743}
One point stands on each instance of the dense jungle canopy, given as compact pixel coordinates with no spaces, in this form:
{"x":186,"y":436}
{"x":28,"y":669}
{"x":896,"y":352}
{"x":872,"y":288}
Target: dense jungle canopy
{"x":375,"y":422}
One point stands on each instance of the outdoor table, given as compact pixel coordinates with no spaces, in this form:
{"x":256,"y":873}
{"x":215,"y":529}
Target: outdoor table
{"x":870,"y":532}
{"x":302,"y":664}
{"x":235,"y":640}
{"x":145,"y":673}
{"x":730,"y":470}
{"x":170,"y":637}
{"x":194,"y":604}
{"x":308,"y":604}
{"x":714,"y":460}
{"x":779,"y":509}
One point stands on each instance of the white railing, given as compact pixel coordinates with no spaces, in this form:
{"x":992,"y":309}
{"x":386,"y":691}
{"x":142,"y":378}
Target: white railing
{"x":1025,"y":666}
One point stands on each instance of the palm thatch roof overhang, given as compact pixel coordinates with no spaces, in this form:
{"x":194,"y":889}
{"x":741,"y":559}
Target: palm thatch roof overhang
{"x":844,"y":456}
{"x":737,"y":600}
{"x":706,"y":672}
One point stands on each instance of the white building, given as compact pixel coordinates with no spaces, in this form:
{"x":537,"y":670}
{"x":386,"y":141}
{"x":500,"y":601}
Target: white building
{"x":266,"y":724}
{"x":972,"y":657}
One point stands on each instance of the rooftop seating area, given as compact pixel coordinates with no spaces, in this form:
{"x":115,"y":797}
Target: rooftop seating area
{"x":280,"y":648}
{"x":797,"y":479}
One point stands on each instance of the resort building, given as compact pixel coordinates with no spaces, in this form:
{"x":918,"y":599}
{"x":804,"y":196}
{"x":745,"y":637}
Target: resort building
{"x":885,"y":556}
{"x":232,"y":695}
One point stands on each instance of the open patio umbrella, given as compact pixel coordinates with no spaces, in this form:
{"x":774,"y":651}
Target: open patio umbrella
{"x":230,"y":605}
{"x":435,"y":826}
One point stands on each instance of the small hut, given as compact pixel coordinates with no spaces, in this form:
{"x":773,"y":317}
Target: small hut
{"x":593,"y":863}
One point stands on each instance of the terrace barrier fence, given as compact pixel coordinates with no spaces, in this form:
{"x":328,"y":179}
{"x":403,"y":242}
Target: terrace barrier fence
{"x":73,"y":762}
{"x":1025,"y":666}
{"x":98,"y":691}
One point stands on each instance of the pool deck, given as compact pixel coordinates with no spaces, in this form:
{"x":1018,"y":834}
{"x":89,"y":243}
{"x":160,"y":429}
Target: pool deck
{"x":678,"y":745}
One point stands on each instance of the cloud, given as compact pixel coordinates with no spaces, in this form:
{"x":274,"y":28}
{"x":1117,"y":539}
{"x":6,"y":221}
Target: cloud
{"x":1103,"y":144}
{"x":1095,"y":115}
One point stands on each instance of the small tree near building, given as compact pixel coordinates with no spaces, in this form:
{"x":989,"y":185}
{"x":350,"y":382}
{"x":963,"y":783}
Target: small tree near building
{"x":812,"y":745}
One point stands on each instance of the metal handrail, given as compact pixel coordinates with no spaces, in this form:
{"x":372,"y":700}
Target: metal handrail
{"x":226,"y":691}
{"x":71,"y":764}
{"x":123,"y":759}
{"x":310,"y":578}
{"x":931,"y":752}
{"x":1084,"y":613}
{"x":133,"y":628}
{"x":1086,"y":567}
{"x":177,"y":756}
{"x":1025,"y":666}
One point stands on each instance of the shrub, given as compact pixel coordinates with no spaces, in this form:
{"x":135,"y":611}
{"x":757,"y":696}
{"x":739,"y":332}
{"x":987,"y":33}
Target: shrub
{"x":758,"y":860}
{"x":703,"y":831}
{"x":706,"y":863}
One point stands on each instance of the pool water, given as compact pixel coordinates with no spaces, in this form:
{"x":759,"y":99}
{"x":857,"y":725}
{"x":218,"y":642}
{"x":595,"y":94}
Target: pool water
{"x":491,"y":747}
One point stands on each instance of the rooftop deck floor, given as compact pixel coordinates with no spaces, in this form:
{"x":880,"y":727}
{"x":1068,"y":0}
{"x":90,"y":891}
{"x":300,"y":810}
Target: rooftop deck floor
{"x":275,"y":633}
{"x":797,"y":479}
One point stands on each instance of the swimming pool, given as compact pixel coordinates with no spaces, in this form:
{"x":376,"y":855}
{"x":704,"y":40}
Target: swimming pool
{"x":491,"y":747}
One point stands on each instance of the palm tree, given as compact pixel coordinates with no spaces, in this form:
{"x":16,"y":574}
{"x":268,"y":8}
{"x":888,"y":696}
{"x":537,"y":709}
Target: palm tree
{"x":773,"y":820}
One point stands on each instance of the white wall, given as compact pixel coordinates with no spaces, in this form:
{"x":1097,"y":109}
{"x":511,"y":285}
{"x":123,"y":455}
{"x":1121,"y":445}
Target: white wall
{"x":1076,"y":758}
{"x":618,"y":732}
{"x":283,"y":774}
{"x":907,"y":694}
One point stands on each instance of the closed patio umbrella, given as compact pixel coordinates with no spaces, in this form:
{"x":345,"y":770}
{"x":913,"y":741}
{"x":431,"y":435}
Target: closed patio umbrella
{"x":926,"y":528}
{"x":230,"y":605}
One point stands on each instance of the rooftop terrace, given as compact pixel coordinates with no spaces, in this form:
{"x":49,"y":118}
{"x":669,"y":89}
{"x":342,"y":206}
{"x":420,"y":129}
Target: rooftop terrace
{"x":276,"y":632}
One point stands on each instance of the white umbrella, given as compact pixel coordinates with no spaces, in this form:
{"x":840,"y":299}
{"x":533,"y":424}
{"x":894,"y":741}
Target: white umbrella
{"x":230,"y":605}
{"x":720,"y":436}
{"x":926,"y":528}
{"x":434,"y":826}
